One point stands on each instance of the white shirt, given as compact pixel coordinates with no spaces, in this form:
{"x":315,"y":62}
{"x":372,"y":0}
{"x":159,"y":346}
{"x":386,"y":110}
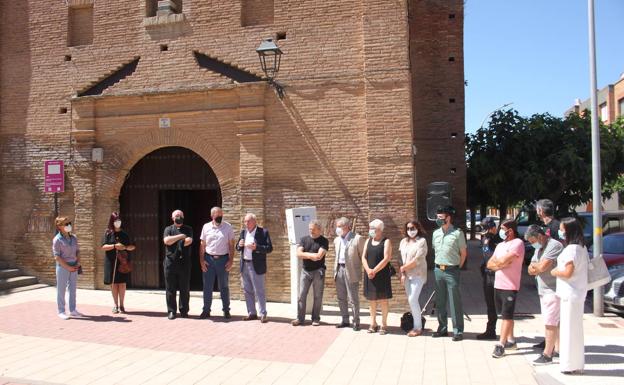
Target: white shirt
{"x":250,"y":237}
{"x":575,"y":287}
{"x":415,"y":250}
{"x":344,"y":244}
{"x":217,"y":238}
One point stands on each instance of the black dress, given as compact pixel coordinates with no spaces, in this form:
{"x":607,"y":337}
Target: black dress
{"x":112,"y":237}
{"x":380,"y":286}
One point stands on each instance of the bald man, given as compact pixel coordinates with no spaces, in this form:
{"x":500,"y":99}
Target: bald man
{"x":177,"y":264}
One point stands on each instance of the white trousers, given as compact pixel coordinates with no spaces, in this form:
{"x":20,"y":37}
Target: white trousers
{"x":571,"y":343}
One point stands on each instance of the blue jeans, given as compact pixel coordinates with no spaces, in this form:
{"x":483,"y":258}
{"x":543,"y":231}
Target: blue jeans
{"x":253,"y":287}
{"x":216,"y":269}
{"x":413,"y":286}
{"x":65,"y":279}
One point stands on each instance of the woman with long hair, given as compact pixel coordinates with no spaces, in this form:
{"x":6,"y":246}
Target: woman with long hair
{"x":116,"y":241}
{"x":571,"y":273}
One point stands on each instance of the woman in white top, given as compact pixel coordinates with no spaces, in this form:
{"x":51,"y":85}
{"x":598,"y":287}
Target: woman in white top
{"x":413,"y":250}
{"x":571,"y":273}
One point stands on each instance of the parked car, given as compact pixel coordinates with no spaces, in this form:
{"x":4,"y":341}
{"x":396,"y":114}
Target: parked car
{"x":614,"y":291}
{"x":477,"y":220}
{"x":612,"y":249}
{"x":612,"y":221}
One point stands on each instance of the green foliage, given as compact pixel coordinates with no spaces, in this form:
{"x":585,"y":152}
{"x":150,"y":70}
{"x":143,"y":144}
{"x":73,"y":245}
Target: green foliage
{"x":515,"y":160}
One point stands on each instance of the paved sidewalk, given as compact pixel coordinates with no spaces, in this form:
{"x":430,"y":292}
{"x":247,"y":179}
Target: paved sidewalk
{"x":144,"y":347}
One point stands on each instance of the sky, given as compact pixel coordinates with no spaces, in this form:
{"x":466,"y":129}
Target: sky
{"x":535,"y":54}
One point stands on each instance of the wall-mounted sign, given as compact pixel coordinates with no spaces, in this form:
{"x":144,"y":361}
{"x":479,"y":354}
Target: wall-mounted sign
{"x":54,"y":176}
{"x":164,"y":123}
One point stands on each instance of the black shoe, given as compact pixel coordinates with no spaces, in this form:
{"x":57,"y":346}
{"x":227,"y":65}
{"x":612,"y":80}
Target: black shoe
{"x":342,"y":325}
{"x":555,"y":354}
{"x":264,"y":319}
{"x":487,"y":336}
{"x":458,"y":337}
{"x":499,"y":351}
{"x":250,"y":317}
{"x":171,"y":315}
{"x":184,"y":315}
{"x":439,"y":334}
{"x":204,"y":315}
{"x":541,"y":345}
{"x":543,"y":360}
{"x":227,"y":314}
{"x":356,"y":327}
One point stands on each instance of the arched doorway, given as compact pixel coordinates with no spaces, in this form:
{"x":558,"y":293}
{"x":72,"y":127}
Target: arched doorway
{"x":164,"y":180}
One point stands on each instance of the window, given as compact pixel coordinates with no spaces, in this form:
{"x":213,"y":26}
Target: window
{"x":621,"y":107}
{"x":604,"y":112}
{"x":80,"y":24}
{"x":256,"y":12}
{"x":162,"y":7}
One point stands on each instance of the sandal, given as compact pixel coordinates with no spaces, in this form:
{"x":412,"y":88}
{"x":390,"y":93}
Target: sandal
{"x":122,"y":309}
{"x":414,"y":333}
{"x":383,"y":331}
{"x":373,"y":329}
{"x":115,"y":310}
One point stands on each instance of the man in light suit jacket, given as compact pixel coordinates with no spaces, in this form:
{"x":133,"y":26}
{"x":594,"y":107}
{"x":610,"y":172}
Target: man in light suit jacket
{"x":254,"y":243}
{"x":348,"y":271}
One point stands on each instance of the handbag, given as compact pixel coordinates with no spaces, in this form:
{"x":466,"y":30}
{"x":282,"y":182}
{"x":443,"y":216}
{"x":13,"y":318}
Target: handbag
{"x":393,"y":271}
{"x":597,"y":273}
{"x":125,"y":266}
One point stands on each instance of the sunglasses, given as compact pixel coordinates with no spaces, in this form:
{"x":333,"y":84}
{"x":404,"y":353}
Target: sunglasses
{"x":411,"y":228}
{"x":67,"y":224}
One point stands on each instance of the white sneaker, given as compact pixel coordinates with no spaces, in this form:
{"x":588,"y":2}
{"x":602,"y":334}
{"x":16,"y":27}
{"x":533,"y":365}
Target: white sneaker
{"x":63,"y":316}
{"x":76,"y":313}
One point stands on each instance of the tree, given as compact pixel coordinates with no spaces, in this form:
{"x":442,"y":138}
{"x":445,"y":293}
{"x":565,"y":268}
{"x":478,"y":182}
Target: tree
{"x":519,"y":160}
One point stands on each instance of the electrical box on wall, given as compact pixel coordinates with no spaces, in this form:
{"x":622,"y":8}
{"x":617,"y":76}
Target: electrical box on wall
{"x":297,"y":221}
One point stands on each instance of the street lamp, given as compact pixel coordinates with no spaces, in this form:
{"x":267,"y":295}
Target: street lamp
{"x":491,"y":113}
{"x":270,"y":58}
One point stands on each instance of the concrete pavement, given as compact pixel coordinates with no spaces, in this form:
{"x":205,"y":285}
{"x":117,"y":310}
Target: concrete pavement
{"x":144,"y":347}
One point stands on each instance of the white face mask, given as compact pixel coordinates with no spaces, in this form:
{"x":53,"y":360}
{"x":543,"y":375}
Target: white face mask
{"x":117,"y":224}
{"x":339,"y":231}
{"x":68,"y":228}
{"x":412,"y":233}
{"x":502,"y":234}
{"x":371,"y":233}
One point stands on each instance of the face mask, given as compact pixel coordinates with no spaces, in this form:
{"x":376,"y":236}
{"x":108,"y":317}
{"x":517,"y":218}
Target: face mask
{"x":536,"y":245}
{"x":68,"y":228}
{"x":502,"y":234}
{"x":440,"y":222}
{"x":218,"y":220}
{"x":561,"y":234}
{"x":371,"y":233}
{"x":339,"y":231}
{"x":117,"y":224}
{"x":178,"y":220}
{"x":412,"y":233}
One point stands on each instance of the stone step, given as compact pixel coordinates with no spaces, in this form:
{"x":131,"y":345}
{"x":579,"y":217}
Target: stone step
{"x":9,"y":273}
{"x":12,"y":283}
{"x":23,"y":288}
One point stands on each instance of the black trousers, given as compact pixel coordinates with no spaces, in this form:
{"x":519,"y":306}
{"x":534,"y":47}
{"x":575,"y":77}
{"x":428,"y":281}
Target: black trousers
{"x":177,"y":277}
{"x":490,"y":294}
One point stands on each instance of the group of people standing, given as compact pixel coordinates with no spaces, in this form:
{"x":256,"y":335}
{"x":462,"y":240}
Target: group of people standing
{"x":559,"y":264}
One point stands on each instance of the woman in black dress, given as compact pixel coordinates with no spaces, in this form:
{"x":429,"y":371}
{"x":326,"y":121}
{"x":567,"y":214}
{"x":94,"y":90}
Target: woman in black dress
{"x":376,"y":261}
{"x":115,"y":239}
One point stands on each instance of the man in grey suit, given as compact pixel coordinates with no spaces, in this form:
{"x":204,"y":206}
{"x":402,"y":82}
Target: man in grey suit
{"x":348,"y":271}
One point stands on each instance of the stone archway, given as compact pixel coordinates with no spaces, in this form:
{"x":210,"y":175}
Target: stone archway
{"x":164,"y":180}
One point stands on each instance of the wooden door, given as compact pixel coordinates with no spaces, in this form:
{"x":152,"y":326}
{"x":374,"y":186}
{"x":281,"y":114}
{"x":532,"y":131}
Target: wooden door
{"x":167,"y":179}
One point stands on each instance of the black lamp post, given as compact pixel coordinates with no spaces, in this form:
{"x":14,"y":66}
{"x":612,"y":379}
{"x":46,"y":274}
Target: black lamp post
{"x":270,"y":57}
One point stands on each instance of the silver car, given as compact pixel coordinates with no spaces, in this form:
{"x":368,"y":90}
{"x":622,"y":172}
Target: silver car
{"x":614,"y":291}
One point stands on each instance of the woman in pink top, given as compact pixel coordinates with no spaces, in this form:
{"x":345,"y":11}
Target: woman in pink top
{"x":507,"y":263}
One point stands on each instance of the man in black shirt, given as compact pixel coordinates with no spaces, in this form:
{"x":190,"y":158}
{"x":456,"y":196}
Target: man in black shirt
{"x":177,"y":264}
{"x":546,"y":212}
{"x":312,"y":250}
{"x":489,"y":240}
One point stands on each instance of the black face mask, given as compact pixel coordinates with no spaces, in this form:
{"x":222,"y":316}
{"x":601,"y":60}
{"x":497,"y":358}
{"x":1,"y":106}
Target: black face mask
{"x":218,"y":220}
{"x":178,"y":220}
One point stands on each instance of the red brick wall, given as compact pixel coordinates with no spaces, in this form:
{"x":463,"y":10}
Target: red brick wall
{"x":357,"y":97}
